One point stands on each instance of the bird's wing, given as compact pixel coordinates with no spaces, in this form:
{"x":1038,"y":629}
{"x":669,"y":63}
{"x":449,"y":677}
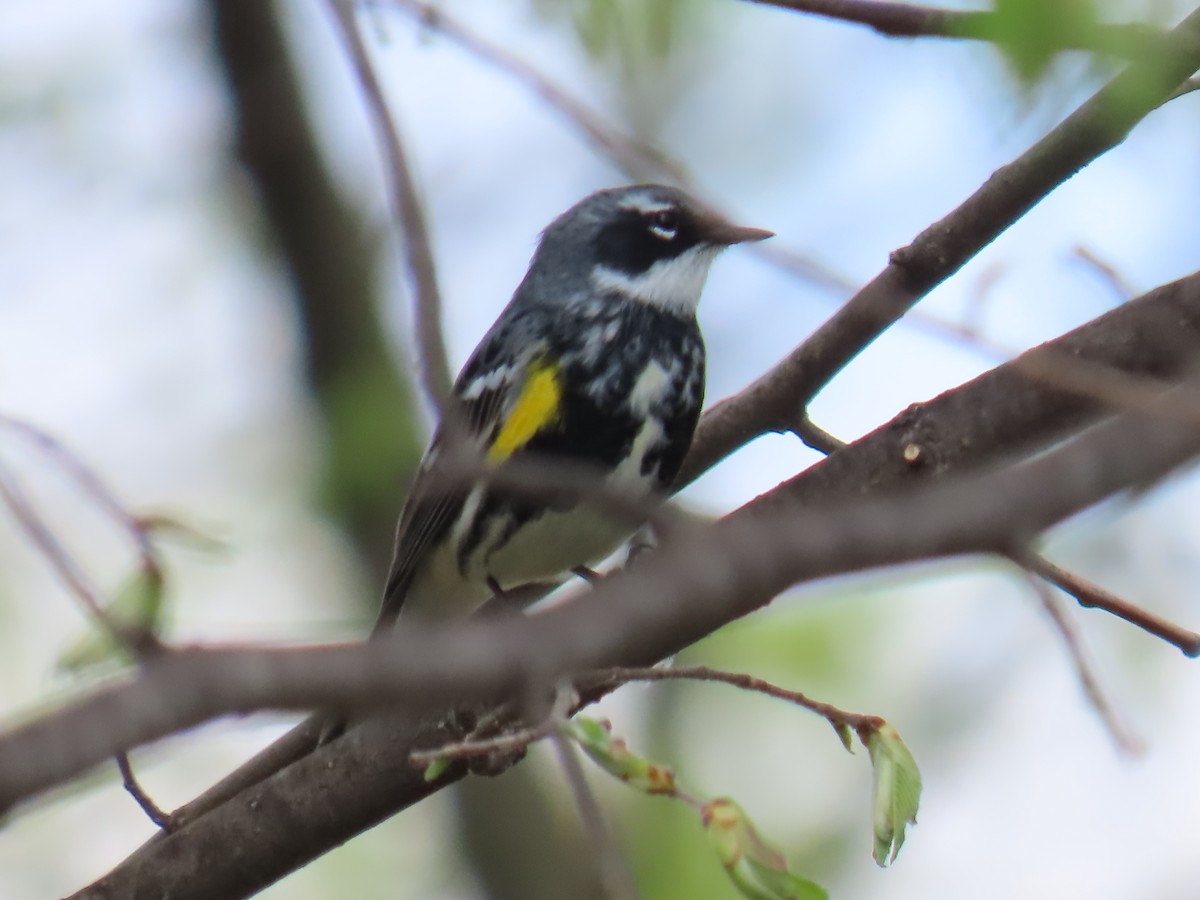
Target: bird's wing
{"x":503,"y":406}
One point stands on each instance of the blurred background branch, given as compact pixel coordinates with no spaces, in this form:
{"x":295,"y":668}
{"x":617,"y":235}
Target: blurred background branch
{"x":332,"y":255}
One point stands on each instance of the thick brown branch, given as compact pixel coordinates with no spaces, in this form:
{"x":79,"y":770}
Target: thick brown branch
{"x":980,"y":422}
{"x":717,"y":574}
{"x":637,"y":616}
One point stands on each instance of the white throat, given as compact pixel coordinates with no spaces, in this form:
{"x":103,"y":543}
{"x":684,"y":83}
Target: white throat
{"x":673,"y":284}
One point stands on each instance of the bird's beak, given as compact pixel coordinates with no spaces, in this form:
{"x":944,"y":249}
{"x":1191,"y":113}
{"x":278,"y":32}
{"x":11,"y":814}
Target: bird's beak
{"x":723,"y":233}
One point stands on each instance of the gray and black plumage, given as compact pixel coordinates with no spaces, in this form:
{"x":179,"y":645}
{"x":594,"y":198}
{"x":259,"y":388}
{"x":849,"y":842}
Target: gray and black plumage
{"x":597,"y":361}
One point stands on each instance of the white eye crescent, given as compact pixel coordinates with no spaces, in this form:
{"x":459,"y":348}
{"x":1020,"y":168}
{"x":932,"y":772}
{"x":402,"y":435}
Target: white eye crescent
{"x":664,"y":225}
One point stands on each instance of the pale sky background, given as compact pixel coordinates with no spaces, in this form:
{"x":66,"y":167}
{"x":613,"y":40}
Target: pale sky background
{"x":140,"y":326}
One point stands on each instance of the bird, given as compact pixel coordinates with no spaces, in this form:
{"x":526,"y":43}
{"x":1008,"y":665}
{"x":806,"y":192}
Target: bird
{"x":598,"y":362}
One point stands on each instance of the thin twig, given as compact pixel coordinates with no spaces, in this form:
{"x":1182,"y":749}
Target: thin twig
{"x":638,"y":159}
{"x":838,"y":718}
{"x":1095,"y":597}
{"x":470,"y":748}
{"x":1108,"y":273}
{"x":93,"y":486}
{"x":907,"y":20}
{"x":816,"y":437}
{"x":140,"y":642}
{"x":613,"y":866}
{"x":153,"y":811}
{"x":1117,"y":730}
{"x":435,"y":367}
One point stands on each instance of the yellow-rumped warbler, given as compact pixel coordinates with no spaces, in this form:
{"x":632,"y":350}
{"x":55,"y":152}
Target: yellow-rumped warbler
{"x":596,"y":361}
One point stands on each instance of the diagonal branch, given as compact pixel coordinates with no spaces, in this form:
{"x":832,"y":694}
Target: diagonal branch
{"x":1155,"y":334}
{"x":1093,"y":596}
{"x":1124,"y":739}
{"x":635,"y":617}
{"x":776,"y":401}
{"x":717,"y":574}
{"x":141,"y":642}
{"x":636,"y":158}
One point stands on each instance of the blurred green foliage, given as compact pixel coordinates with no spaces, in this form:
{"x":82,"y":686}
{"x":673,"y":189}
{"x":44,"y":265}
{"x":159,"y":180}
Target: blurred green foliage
{"x":137,"y":606}
{"x":1030,"y":33}
{"x":634,"y":31}
{"x":371,"y":432}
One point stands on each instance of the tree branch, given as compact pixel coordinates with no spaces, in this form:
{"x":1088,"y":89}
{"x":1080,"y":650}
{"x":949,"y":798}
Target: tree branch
{"x":696,"y":585}
{"x":1092,"y":596}
{"x":366,"y":778}
{"x":636,"y":158}
{"x":1089,"y":680}
{"x":776,"y":401}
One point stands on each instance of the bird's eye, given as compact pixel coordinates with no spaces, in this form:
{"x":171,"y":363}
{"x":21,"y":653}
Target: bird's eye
{"x":664,"y":224}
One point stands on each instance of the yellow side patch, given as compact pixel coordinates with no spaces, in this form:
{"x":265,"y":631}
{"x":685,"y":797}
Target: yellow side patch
{"x":535,"y":409}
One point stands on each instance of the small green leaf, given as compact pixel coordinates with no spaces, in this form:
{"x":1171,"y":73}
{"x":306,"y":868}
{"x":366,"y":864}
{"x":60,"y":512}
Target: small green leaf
{"x":436,"y":769}
{"x":613,"y":755}
{"x":755,"y":867}
{"x":165,"y":526}
{"x":845,"y":735}
{"x":1030,"y":33}
{"x":138,"y":606}
{"x":897,"y":791}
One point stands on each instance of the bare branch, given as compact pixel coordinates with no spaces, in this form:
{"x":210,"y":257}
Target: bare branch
{"x":1117,"y":283}
{"x":1121,"y":736}
{"x":475,"y":747}
{"x":1095,"y":597}
{"x":1112,"y":387}
{"x":817,"y":438}
{"x":717,"y":574}
{"x":435,"y":368}
{"x":638,"y":159}
{"x":136,"y":527}
{"x":152,"y":810}
{"x":648,"y":612}
{"x":140,"y":642}
{"x":838,"y":718}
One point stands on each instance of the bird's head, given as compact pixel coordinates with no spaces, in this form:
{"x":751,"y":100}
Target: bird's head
{"x":650,"y":243}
